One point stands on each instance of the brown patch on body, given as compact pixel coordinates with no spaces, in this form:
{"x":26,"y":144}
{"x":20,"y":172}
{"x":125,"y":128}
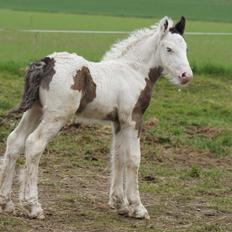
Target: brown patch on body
{"x":83,"y":82}
{"x":145,"y":97}
{"x":113,"y":116}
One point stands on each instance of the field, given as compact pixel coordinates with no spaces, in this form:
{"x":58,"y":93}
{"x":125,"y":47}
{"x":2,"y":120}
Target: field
{"x":207,"y":10}
{"x":19,"y":48}
{"x":186,"y":168}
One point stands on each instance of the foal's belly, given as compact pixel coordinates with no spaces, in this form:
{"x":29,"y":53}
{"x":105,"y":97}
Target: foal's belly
{"x":98,"y":111}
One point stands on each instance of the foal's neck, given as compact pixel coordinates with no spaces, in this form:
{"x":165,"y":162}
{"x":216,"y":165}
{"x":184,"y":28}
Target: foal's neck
{"x":144,"y":55}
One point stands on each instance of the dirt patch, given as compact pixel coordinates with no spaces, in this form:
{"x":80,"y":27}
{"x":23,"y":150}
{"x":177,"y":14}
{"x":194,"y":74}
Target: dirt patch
{"x":186,"y":156}
{"x":204,"y":131}
{"x":189,"y":156}
{"x":151,"y":123}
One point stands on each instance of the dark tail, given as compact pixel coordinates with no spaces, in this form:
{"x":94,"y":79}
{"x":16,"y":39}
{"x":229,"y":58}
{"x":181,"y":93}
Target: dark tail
{"x":35,"y":73}
{"x":38,"y":74}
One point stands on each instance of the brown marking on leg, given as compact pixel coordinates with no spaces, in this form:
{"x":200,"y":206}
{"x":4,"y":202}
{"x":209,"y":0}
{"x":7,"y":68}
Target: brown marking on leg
{"x":83,"y":82}
{"x":145,"y":97}
{"x":113,"y":116}
{"x":117,"y":127}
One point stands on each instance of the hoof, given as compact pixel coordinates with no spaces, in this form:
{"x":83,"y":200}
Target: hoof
{"x":138,"y":211}
{"x":124,"y":210}
{"x":37,"y":214}
{"x":120,"y":204}
{"x":117,"y":202}
{"x":6,"y":206}
{"x":33,"y":211}
{"x":10,"y":208}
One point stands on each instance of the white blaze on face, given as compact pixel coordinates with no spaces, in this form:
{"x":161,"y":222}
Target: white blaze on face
{"x":173,"y":52}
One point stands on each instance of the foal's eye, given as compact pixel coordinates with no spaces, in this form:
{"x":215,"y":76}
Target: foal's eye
{"x":169,"y":49}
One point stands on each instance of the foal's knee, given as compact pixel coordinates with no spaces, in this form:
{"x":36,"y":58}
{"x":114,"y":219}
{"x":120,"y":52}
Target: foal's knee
{"x":133,"y":162}
{"x":34,"y":146}
{"x":15,"y":146}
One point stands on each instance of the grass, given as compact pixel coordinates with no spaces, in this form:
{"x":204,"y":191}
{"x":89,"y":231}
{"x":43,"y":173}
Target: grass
{"x":10,"y":19}
{"x":42,"y":20}
{"x":9,"y":224}
{"x":200,"y":106}
{"x":18,"y":48}
{"x":206,"y":10}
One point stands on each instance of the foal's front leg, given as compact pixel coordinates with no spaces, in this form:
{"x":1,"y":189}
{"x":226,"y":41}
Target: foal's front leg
{"x":117,"y":194}
{"x":133,"y":154}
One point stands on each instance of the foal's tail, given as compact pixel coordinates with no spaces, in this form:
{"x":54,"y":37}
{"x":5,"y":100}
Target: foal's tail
{"x":35,"y":74}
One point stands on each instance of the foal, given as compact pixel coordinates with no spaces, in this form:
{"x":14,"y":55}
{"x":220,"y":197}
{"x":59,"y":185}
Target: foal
{"x":117,"y":89}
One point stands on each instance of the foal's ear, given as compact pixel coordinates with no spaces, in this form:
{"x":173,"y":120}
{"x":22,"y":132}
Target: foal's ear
{"x":164,"y":25}
{"x":180,"y":26}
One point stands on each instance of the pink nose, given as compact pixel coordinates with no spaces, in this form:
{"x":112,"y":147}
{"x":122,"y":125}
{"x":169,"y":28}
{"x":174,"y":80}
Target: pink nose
{"x":186,"y":77}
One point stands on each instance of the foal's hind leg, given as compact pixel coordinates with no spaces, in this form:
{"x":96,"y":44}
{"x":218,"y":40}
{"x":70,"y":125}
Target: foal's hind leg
{"x":35,"y":145}
{"x":117,"y":195}
{"x":15,"y":147}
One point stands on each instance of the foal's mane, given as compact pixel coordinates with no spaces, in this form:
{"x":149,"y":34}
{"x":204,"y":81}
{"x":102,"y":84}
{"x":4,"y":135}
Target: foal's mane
{"x":121,"y":47}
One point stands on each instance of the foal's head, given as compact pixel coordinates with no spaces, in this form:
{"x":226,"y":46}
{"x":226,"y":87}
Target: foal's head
{"x":173,"y":51}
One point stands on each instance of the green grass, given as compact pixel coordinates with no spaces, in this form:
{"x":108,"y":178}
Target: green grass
{"x":12,"y":224}
{"x":209,"y":10}
{"x":10,"y":19}
{"x":10,"y":83}
{"x":206,"y":103}
{"x":18,"y":48}
{"x":41,"y":20}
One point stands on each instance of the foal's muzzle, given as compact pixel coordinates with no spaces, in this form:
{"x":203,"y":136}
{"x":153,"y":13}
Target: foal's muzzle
{"x":185,"y":77}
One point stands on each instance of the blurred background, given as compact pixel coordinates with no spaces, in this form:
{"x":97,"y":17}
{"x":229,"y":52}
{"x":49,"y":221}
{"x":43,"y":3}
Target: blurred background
{"x":19,"y":44}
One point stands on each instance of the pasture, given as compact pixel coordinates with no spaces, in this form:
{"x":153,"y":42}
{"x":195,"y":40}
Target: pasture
{"x":207,"y":10}
{"x":185,"y":174}
{"x":18,"y":48}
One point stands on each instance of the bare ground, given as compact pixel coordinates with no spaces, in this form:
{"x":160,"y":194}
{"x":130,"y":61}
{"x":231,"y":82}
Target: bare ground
{"x":184,"y":189}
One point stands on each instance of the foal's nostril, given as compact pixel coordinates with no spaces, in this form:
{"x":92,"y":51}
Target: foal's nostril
{"x":183,"y":74}
{"x":185,"y":78}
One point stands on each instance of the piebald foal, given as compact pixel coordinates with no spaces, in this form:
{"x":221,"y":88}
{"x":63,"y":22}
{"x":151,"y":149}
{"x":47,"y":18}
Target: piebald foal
{"x":117,"y":89}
